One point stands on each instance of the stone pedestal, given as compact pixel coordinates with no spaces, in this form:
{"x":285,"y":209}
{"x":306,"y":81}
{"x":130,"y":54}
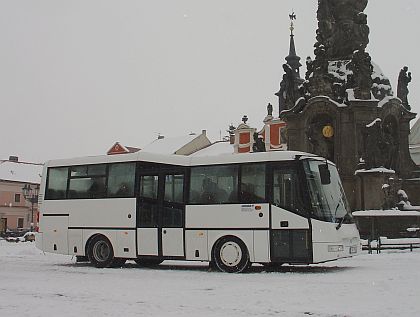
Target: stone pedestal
{"x":372,"y":191}
{"x":412,"y":188}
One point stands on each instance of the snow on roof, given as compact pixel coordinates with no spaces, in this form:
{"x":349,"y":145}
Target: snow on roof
{"x":184,"y":160}
{"x":216,"y":148}
{"x":169,"y":145}
{"x":375,"y":170}
{"x":384,"y":213}
{"x":20,"y":172}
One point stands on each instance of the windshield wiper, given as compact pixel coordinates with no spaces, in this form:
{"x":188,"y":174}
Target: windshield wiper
{"x":342,"y":221}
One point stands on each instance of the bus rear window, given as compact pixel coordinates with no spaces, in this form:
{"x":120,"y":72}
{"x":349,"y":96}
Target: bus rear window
{"x":57,"y":183}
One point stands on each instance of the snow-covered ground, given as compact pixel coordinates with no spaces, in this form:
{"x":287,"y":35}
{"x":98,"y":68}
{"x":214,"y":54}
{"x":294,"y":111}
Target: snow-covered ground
{"x":34,"y":284}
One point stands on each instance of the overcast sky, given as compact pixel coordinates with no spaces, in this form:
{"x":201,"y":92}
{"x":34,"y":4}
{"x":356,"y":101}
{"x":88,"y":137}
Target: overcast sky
{"x":78,"y":75}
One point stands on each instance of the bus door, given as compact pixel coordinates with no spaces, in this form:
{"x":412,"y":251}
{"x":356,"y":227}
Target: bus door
{"x":290,"y":226}
{"x":160,"y":215}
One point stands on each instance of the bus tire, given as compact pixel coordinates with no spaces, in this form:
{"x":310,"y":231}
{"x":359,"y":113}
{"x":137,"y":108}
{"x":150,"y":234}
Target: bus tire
{"x":231,"y":255}
{"x":148,"y":262}
{"x":100,"y":252}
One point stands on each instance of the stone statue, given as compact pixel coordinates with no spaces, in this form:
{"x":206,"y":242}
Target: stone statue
{"x":362,"y":68}
{"x":309,"y":67}
{"x":270,"y":110}
{"x":339,"y":92}
{"x":258,"y":145}
{"x":287,"y":94}
{"x":390,"y":140}
{"x":404,"y":79}
{"x":381,"y":143}
{"x":372,"y":155}
{"x":342,"y":27}
{"x":320,"y":64}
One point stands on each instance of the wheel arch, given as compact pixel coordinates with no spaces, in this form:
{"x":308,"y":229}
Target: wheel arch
{"x":92,"y":236}
{"x":226,"y":236}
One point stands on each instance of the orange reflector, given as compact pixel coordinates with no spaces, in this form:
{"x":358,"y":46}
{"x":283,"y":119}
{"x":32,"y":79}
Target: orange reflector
{"x":257,"y":207}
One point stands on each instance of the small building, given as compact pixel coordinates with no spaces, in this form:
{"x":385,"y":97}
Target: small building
{"x":15,"y":211}
{"x":118,"y":148}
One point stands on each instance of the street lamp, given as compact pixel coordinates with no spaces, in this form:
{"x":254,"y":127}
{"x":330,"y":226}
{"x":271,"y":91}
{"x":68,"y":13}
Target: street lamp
{"x":31,"y":195}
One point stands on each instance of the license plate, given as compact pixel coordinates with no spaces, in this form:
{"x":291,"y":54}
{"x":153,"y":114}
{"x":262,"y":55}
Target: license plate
{"x":353,"y":250}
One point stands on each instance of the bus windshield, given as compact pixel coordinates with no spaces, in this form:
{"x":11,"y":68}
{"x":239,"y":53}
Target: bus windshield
{"x":327,"y":199}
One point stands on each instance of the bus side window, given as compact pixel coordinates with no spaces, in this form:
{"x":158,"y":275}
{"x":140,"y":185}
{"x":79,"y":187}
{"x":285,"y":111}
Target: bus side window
{"x":149,"y":186}
{"x":87,"y":181}
{"x":174,"y":188}
{"x":286,"y":189}
{"x":121,"y":180}
{"x":214,"y":185}
{"x":252,"y":183}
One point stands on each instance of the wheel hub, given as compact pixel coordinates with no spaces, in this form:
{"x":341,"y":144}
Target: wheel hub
{"x":101,"y":251}
{"x":231,"y":254}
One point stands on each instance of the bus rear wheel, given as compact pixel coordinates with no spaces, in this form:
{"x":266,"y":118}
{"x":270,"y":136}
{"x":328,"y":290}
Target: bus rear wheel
{"x":230,"y":255}
{"x":100,"y":252}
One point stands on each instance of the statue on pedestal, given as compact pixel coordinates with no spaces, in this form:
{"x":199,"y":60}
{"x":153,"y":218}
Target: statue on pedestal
{"x":362,"y":68}
{"x":402,"y":90}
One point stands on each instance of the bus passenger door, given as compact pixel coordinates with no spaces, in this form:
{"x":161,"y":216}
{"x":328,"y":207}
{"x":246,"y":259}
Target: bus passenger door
{"x":290,"y":228}
{"x":172,"y":215}
{"x":148,"y":215}
{"x":160,"y":221}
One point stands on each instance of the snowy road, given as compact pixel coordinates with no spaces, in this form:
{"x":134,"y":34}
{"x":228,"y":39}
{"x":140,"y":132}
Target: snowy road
{"x":34,"y":284}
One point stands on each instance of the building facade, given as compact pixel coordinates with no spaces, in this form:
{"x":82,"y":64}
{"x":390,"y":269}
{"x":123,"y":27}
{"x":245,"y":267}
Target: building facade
{"x":16,"y":212}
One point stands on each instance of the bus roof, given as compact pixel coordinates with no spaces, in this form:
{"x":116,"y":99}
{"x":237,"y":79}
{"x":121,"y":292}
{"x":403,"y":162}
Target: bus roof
{"x":182,"y":160}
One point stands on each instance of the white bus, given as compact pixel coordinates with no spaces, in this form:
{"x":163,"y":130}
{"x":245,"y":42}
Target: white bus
{"x":229,"y":210}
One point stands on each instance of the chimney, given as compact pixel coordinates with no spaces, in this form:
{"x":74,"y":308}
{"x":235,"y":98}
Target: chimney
{"x":13,"y":158}
{"x":160,"y":137}
{"x":203,"y":132}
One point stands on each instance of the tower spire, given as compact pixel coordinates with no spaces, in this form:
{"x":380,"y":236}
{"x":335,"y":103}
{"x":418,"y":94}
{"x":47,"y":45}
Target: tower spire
{"x":292,"y":59}
{"x":289,"y":85}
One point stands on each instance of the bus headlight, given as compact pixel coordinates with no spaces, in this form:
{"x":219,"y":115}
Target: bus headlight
{"x":335,"y":248}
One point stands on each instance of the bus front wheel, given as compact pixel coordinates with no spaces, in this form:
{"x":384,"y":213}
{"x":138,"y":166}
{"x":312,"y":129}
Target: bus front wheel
{"x":231,"y":255}
{"x":100,"y":252}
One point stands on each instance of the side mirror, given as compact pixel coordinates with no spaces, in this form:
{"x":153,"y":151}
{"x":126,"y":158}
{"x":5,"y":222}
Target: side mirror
{"x":325,"y":174}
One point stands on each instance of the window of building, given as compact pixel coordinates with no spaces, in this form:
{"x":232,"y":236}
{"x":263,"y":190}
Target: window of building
{"x":20,"y":223}
{"x":17,"y":198}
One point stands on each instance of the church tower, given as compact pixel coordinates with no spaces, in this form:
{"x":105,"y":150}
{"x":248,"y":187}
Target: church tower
{"x":291,"y":81}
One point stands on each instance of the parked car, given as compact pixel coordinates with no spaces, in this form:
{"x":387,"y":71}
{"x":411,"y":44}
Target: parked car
{"x":19,"y":236}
